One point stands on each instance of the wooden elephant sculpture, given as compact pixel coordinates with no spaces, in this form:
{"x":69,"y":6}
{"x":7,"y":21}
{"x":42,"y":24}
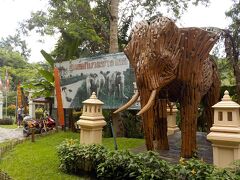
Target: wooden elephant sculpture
{"x":172,"y":64}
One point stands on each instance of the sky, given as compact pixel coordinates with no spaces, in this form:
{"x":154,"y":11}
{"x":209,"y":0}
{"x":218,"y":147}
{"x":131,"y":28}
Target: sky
{"x":14,"y":11}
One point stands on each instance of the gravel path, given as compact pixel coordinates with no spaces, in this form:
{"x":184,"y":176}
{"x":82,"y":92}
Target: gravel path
{"x":8,"y":134}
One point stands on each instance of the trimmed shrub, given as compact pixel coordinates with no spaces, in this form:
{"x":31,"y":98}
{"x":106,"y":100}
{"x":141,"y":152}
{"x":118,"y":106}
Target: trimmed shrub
{"x":39,"y":113}
{"x":118,"y":165}
{"x":192,"y":169}
{"x":223,"y":174}
{"x":235,"y":168}
{"x":80,"y":159}
{"x":11,"y":110}
{"x":126,"y":165}
{"x":98,"y":162}
{"x":6,"y":121}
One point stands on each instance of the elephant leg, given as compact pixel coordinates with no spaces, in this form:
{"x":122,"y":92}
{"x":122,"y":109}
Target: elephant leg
{"x":160,"y":124}
{"x":188,"y":110}
{"x":211,"y":98}
{"x":148,"y":118}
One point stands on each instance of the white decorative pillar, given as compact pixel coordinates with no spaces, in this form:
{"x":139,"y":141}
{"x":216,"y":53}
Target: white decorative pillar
{"x":31,"y":105}
{"x":225,"y":133}
{"x":171,"y":120}
{"x":1,"y":105}
{"x":91,"y":121}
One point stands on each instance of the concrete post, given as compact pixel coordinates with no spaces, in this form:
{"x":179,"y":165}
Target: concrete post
{"x":225,"y":133}
{"x":31,"y":105}
{"x":91,"y":121}
{"x":1,"y":105}
{"x":171,"y":120}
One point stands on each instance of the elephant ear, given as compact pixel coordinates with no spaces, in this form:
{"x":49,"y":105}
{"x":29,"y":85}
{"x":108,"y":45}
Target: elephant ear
{"x":197,"y":44}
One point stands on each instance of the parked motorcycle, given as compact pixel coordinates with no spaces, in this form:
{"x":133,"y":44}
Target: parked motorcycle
{"x":39,"y":126}
{"x":48,"y":124}
{"x":30,"y":124}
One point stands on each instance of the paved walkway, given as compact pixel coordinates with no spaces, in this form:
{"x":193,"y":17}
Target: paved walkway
{"x":173,"y":154}
{"x":8,"y":134}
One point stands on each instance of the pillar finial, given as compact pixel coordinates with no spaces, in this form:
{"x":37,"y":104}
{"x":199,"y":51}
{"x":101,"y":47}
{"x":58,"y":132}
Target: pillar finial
{"x":226,"y":96}
{"x":93,"y":96}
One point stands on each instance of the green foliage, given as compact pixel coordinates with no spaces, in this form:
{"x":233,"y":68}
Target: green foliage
{"x":11,"y":110}
{"x":118,"y":165}
{"x":105,"y":164}
{"x":84,"y":28}
{"x":18,"y":71}
{"x":192,"y":169}
{"x":223,"y":174}
{"x":132,"y":124}
{"x":39,"y":157}
{"x":125,"y":165}
{"x":226,"y":72}
{"x":76,"y":22}
{"x":39,"y":160}
{"x":15,"y":44}
{"x":9,"y":126}
{"x":76,"y":158}
{"x":235,"y":168}
{"x":11,"y":58}
{"x":6,"y":121}
{"x":44,"y":85}
{"x":39,"y":113}
{"x":48,"y":58}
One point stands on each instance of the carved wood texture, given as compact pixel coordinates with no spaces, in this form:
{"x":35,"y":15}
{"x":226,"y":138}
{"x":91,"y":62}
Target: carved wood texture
{"x":177,"y":61}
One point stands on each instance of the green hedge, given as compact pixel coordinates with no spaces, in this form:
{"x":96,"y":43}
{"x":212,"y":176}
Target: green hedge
{"x":79,"y":159}
{"x":101,"y":163}
{"x":6,"y":121}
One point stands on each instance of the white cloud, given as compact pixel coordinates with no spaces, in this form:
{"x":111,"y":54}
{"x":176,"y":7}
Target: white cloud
{"x":14,"y":11}
{"x":202,"y":16}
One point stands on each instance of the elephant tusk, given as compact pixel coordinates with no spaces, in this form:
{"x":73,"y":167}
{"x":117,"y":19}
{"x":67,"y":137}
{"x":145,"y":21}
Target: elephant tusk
{"x":149,"y":103}
{"x":128,"y":104}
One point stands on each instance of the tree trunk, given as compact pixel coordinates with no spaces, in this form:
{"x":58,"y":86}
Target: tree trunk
{"x":113,"y":26}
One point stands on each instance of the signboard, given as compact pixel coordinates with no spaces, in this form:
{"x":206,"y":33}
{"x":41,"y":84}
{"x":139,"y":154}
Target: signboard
{"x":109,"y":76}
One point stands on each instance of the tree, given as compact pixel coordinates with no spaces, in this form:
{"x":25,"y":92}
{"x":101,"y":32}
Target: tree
{"x":141,"y":9}
{"x":15,"y":43}
{"x":113,"y":48}
{"x":232,"y":43}
{"x":43,"y":86}
{"x":77,"y":25}
{"x":88,"y":29}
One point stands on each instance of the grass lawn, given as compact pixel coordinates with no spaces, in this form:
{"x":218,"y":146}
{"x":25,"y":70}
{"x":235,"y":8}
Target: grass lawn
{"x":38,"y":160}
{"x":13,"y":126}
